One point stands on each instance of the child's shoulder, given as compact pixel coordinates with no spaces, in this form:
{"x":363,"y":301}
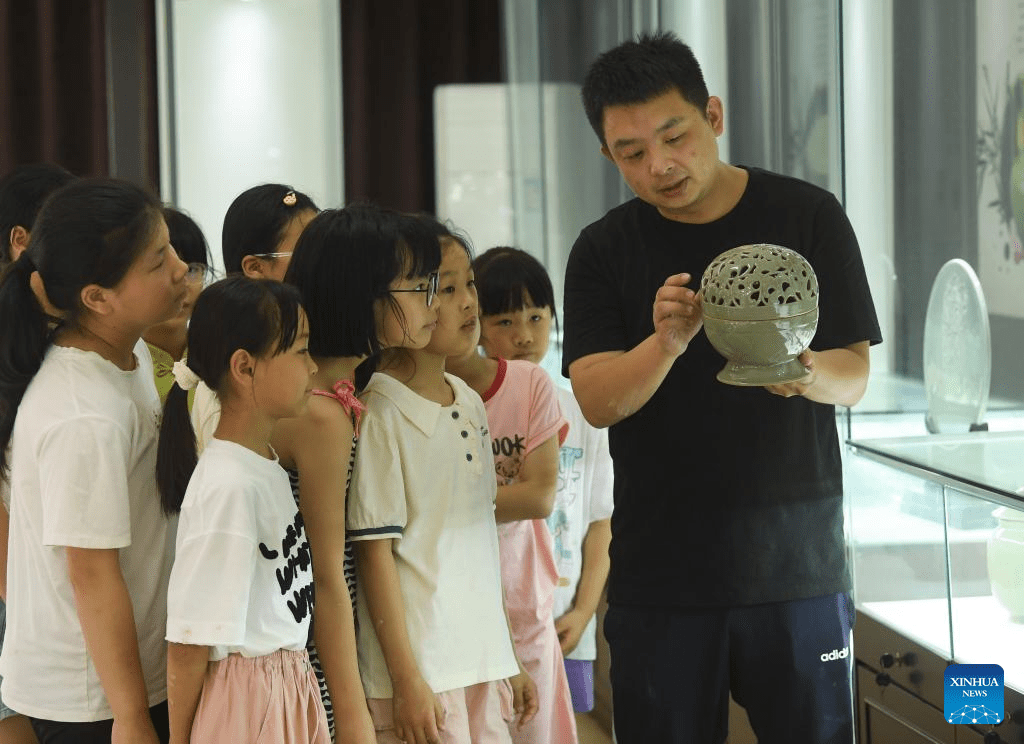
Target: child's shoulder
{"x":523,"y":377}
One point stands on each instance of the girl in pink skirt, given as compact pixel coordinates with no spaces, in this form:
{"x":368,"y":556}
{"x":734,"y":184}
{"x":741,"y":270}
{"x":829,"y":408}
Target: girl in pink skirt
{"x":240,"y":598}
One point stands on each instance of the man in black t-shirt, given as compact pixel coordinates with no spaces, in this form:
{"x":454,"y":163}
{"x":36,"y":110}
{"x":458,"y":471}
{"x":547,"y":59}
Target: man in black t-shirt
{"x":728,"y":561}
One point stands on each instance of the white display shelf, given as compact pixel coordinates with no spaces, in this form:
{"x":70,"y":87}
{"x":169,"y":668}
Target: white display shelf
{"x":982,"y":632}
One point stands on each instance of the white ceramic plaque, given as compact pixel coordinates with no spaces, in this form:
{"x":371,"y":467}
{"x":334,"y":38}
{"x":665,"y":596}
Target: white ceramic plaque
{"x":957,"y":350}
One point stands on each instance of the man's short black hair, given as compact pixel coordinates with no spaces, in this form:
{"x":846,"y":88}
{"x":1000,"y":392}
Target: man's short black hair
{"x":637,"y":71}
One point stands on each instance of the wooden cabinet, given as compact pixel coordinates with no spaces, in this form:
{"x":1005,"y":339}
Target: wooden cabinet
{"x":890,"y":715}
{"x":899,"y":693}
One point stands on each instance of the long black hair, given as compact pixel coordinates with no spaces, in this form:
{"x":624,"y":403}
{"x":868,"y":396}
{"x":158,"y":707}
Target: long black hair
{"x":22,"y":193}
{"x":88,"y":232}
{"x":262,"y":317}
{"x":186,"y":237}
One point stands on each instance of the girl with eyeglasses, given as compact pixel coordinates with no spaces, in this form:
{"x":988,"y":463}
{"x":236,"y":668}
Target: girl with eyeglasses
{"x":166,"y":341}
{"x":435,"y":652}
{"x":261,"y":228}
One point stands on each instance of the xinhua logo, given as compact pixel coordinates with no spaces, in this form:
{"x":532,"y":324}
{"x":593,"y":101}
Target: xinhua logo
{"x":973,"y":693}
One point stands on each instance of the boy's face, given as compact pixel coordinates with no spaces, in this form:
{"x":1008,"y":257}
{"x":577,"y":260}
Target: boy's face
{"x":667,"y":152}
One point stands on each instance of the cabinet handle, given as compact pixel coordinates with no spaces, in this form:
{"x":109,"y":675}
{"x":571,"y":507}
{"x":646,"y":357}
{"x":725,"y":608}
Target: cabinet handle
{"x":1017,"y":716}
{"x":883,"y":679}
{"x":887,"y":660}
{"x":993,"y":738}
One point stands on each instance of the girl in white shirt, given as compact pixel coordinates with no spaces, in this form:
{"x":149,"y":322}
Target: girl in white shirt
{"x":240,"y":599}
{"x":90,"y":549}
{"x":434,"y":646}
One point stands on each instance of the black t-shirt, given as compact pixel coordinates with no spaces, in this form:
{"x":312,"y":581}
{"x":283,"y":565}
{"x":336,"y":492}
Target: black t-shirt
{"x":724,"y":495}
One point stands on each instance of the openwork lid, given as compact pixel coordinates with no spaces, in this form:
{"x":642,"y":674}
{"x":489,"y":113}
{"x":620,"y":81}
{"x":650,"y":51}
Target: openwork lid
{"x":759,"y":282}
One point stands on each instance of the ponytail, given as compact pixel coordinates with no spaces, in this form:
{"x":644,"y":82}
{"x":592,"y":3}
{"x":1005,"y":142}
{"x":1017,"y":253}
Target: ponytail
{"x":262,"y":317}
{"x":23,"y":345}
{"x":176,"y":453}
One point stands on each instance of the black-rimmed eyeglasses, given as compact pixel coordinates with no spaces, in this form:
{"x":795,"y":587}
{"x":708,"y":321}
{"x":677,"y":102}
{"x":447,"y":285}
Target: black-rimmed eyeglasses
{"x":430,"y":289}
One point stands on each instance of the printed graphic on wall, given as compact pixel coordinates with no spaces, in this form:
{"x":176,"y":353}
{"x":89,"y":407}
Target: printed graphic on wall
{"x":1000,"y":108}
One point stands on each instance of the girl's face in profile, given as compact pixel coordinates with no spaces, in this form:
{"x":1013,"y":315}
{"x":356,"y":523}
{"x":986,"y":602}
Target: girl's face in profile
{"x":458,"y":330}
{"x":404,"y":318}
{"x":154,"y":288}
{"x":517,"y":334}
{"x":283,"y":382}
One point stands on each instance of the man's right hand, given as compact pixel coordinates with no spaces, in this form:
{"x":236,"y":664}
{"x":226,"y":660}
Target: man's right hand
{"x":677,"y":314}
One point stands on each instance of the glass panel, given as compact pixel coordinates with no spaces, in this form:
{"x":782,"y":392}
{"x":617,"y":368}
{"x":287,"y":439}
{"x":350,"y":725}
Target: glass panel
{"x":251,"y":93}
{"x":560,"y":183}
{"x":784,"y":88}
{"x":986,"y":562}
{"x":898,"y":551}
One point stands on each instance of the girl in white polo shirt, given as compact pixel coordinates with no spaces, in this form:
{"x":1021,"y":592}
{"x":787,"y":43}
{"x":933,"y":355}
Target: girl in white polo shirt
{"x":434,"y":646}
{"x":240,"y":599}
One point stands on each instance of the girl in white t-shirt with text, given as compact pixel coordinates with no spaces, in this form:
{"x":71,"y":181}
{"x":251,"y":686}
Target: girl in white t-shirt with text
{"x":435,"y":651}
{"x":240,"y":598}
{"x":90,"y":549}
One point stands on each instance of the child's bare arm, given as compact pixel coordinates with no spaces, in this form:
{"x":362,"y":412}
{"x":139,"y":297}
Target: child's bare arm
{"x":524,"y":689}
{"x":532,"y":496}
{"x":418,"y":714}
{"x":596,"y":564}
{"x":321,"y":442}
{"x":108,"y":624}
{"x":186,"y":672}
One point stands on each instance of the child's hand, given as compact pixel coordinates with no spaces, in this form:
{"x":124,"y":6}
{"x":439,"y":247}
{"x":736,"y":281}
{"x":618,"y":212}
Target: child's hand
{"x":354,"y":729}
{"x":418,"y":713}
{"x":570,"y":627}
{"x":134,"y":730}
{"x":524,"y":696}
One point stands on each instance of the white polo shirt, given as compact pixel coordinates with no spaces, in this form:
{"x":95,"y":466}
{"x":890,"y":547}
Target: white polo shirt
{"x":424,"y":477}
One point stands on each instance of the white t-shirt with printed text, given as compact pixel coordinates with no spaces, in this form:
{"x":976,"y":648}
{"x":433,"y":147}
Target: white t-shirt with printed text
{"x":242,"y":580}
{"x":584,"y":495}
{"x":83,"y":474}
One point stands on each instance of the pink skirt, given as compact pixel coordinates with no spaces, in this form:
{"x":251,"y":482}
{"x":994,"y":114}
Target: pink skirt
{"x":272,"y":698}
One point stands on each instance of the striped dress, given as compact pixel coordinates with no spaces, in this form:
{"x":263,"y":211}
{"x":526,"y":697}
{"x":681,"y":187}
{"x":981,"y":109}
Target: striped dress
{"x":343,"y":392}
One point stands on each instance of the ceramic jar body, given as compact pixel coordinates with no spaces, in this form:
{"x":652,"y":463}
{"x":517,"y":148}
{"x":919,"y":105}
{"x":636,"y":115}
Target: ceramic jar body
{"x":761,"y":351}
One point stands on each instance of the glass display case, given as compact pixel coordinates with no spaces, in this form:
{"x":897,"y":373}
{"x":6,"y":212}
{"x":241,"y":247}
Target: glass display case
{"x":936,"y":535}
